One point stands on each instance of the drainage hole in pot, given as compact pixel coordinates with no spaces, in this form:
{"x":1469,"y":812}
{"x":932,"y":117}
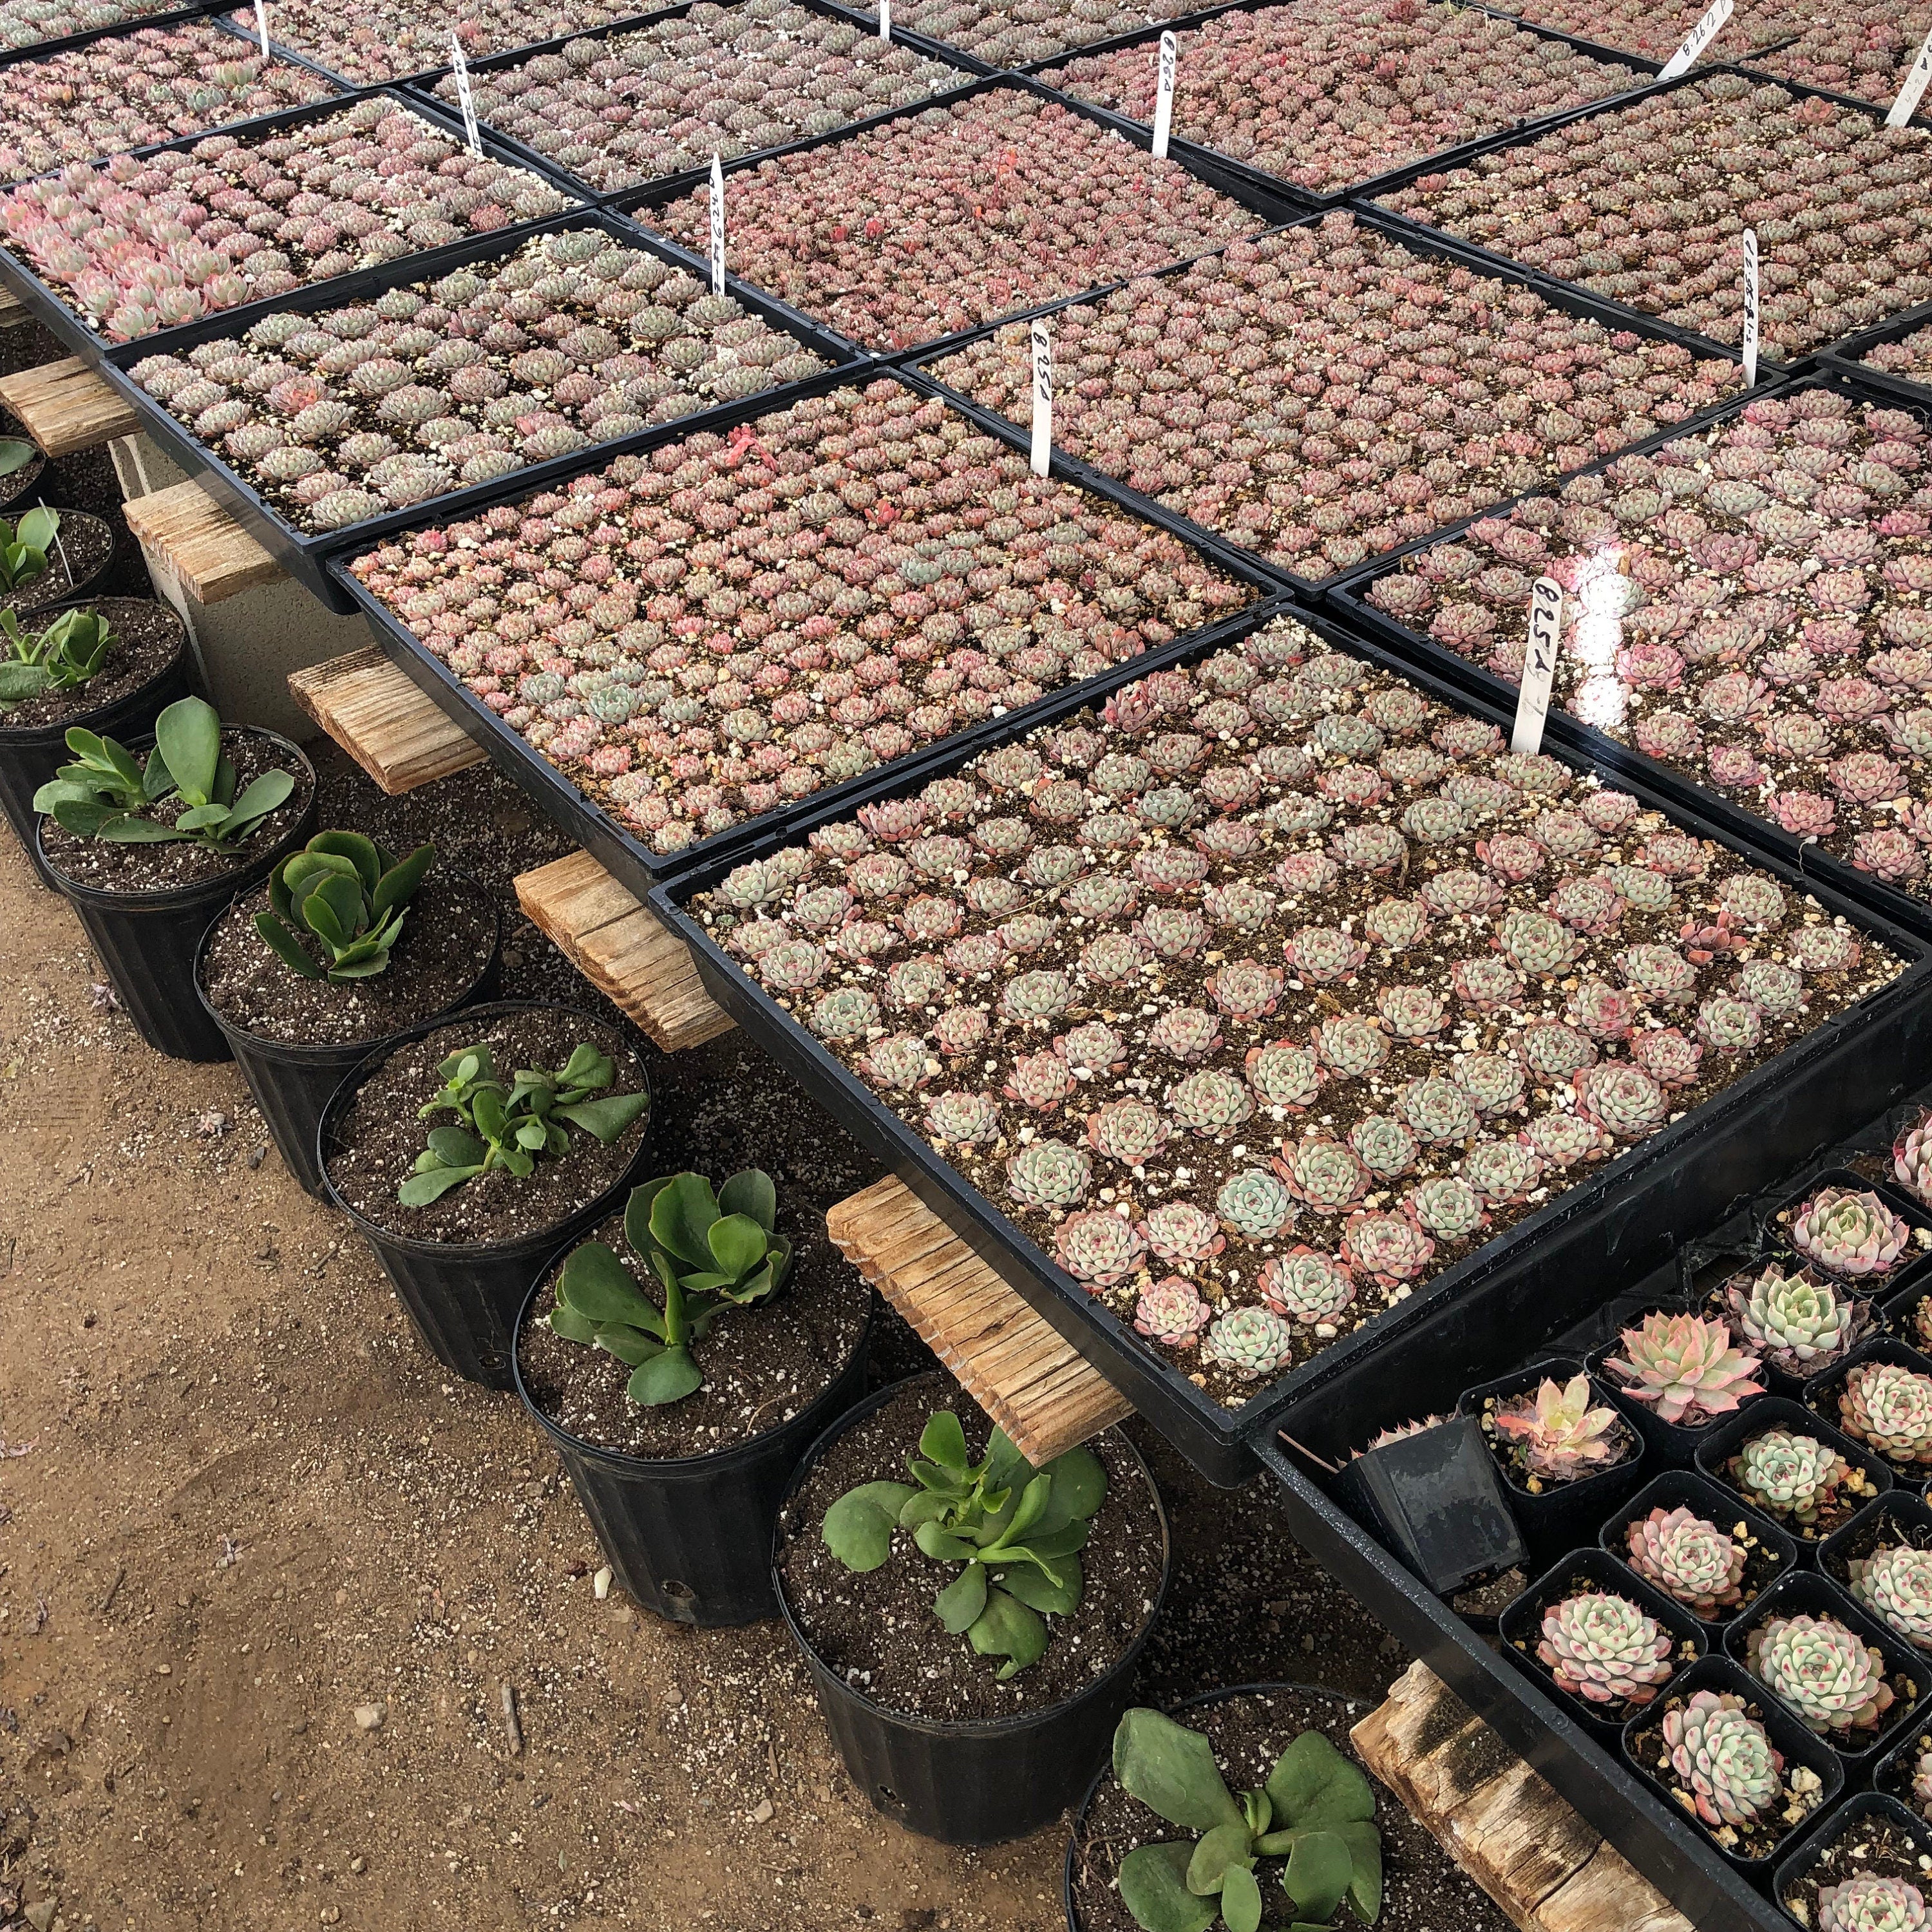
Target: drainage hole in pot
{"x":678,"y":1593}
{"x":887,"y":1795}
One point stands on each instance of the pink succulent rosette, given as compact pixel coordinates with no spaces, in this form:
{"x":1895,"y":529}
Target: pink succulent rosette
{"x":1865,"y":50}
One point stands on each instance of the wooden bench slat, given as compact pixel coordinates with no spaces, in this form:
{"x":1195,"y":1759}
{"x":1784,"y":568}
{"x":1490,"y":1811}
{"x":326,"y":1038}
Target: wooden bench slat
{"x":372,"y":709}
{"x":210,"y":555}
{"x":66,"y":407}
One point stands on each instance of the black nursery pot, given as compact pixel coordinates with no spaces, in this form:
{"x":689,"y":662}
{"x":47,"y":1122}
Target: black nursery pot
{"x":981,"y":1782}
{"x":1714,"y":1503}
{"x":690,"y":1537}
{"x":1822,"y":1391}
{"x":1672,"y":1444}
{"x":290,"y":1083}
{"x":1727,"y":1436}
{"x":58,"y":585}
{"x":1897,"y":1517}
{"x":148,"y":942}
{"x":1868,"y":1810}
{"x":1561,"y":1515}
{"x":30,"y":755}
{"x":464,"y":1296}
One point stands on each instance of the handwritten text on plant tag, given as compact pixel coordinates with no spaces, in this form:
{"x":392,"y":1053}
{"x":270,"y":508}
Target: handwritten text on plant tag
{"x":261,"y":27}
{"x":1913,"y":91}
{"x":1750,"y":308}
{"x":459,"y":68}
{"x":717,"y":226}
{"x":1700,"y":37}
{"x":1539,"y":664}
{"x":1163,"y":97}
{"x":1042,"y":398}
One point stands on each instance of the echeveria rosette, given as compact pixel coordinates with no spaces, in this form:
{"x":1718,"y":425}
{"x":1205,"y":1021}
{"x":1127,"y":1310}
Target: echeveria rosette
{"x":1823,"y":1671}
{"x":1723,"y":1758}
{"x":1794,"y":1321}
{"x":1848,"y":1230}
{"x":1887,"y":1407}
{"x":1894,"y":1582}
{"x":1872,"y":1902}
{"x":1793,"y":1477}
{"x":1603,"y":1649}
{"x":1688,"y":1558}
{"x":1912,"y":1158}
{"x":1555,"y":1432}
{"x":1686,"y":1367}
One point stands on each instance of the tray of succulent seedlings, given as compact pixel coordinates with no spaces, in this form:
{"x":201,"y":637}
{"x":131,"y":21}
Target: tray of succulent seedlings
{"x":1743,"y":624}
{"x":46,"y":26}
{"x":135,"y":247}
{"x":465,"y":1148}
{"x":1337,"y":390}
{"x":1013,"y":35}
{"x":1004,"y":200}
{"x":125,"y":87}
{"x":1282,"y":90}
{"x":1862,"y":53}
{"x":922,"y":1608}
{"x":1585,"y":203}
{"x":682,"y":1357}
{"x":1434,"y":969}
{"x":1658,"y":32}
{"x":1895,"y":357}
{"x":364,"y":407}
{"x":884,"y":575}
{"x":1865,"y":1870}
{"x":623,"y":106}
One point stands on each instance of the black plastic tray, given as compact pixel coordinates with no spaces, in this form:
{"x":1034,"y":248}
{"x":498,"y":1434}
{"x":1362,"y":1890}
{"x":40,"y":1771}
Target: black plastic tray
{"x":1848,"y":358}
{"x":1345,"y":595}
{"x":1611,"y":1224}
{"x":303,"y":554}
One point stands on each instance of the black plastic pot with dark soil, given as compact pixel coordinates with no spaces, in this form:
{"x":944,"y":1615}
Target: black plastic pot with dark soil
{"x":1899,"y":1519}
{"x":80,"y":555}
{"x":1872,"y":1833}
{"x":290,"y":1081}
{"x":982,"y":1781}
{"x":147,"y":940}
{"x":1769,"y":1552}
{"x":32,"y":751}
{"x":1824,"y":1392}
{"x":690,"y":1536}
{"x":464,"y":1296}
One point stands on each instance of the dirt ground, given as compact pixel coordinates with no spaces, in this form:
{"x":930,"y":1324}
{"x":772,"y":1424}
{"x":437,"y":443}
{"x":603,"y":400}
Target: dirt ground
{"x":240,"y":1504}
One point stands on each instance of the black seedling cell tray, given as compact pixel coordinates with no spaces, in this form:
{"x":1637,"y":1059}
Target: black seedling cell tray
{"x":1346,"y":595}
{"x":304,"y":554}
{"x":1545,"y":1273}
{"x":1848,"y":357}
{"x":620,"y":850}
{"x":61,"y":43}
{"x":1273,"y":208}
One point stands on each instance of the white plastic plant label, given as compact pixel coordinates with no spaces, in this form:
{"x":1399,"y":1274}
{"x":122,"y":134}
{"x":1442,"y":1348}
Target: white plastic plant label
{"x":1913,"y":91}
{"x":1750,"y":308}
{"x":717,"y":226}
{"x":1700,"y":37}
{"x":262,"y":28}
{"x":459,"y":68}
{"x":1163,"y":94}
{"x":1042,"y":398}
{"x":885,"y":19}
{"x":1539,"y":664}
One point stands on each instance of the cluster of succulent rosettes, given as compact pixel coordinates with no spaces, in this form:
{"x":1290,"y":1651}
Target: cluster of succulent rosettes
{"x":701,"y":636}
{"x":1690,"y":1558}
{"x":1687,"y":1367}
{"x":1236,"y":394}
{"x":1848,"y":1231}
{"x":1803,"y":1483}
{"x":1336,"y":92}
{"x":339,"y":415}
{"x":1910,"y":356}
{"x":1656,"y":31}
{"x":1872,"y":1902}
{"x":1015,"y":33}
{"x":1912,"y":1158}
{"x":1887,"y":1407}
{"x":1797,"y":1322}
{"x":933,"y":223}
{"x":629,"y":108}
{"x":1865,"y":50}
{"x":1603,"y":1649}
{"x":1746,"y":605}
{"x":144,"y":242}
{"x":1552,"y":1433}
{"x":1724,"y":1759}
{"x":1894,"y":1582}
{"x":130,"y":90}
{"x":1643,"y":203}
{"x":1823,"y":1671}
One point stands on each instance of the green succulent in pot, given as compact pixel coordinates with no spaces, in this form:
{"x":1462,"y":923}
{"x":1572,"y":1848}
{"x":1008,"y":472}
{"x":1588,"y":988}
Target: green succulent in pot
{"x":349,"y":893}
{"x":64,"y":656}
{"x":24,"y":547}
{"x":1316,"y":1810}
{"x":709,"y":1252}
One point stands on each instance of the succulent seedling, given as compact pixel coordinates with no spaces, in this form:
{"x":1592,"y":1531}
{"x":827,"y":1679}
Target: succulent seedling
{"x":63,"y":657}
{"x":24,"y":547}
{"x":348,"y":893}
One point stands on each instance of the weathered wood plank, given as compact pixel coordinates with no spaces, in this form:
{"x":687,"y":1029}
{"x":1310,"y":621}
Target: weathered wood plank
{"x":209,"y":553}
{"x":1029,"y":1380}
{"x":401,"y":738}
{"x":620,"y":947}
{"x":65,"y":407}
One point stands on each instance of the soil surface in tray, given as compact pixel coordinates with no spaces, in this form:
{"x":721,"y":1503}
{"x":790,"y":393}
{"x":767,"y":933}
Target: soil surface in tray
{"x":108,"y":866}
{"x":1422,"y":1886}
{"x":445,"y":940}
{"x":379,"y":1136}
{"x":877,"y":1628}
{"x":762,"y":1365}
{"x":148,"y":636}
{"x":1871,"y":1847}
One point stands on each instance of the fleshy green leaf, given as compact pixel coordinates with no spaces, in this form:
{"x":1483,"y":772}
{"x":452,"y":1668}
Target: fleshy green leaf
{"x":564,"y":1321}
{"x":1318,"y":1871}
{"x":599,"y":1287}
{"x":750,"y":1193}
{"x":631,"y":1346}
{"x":1007,"y":1468}
{"x":358,"y":852}
{"x":36,"y":529}
{"x":15,"y":455}
{"x":681,"y":1217}
{"x":1033,"y":1587}
{"x":737,"y":1245}
{"x":124,"y":828}
{"x":420,"y":1190}
{"x":267,"y":793}
{"x":943,"y":1441}
{"x":1215,"y":1851}
{"x":456,"y":1146}
{"x":1079,"y":1487}
{"x":858,"y":1528}
{"x":667,"y":1378}
{"x":286,"y":946}
{"x":638,"y":1214}
{"x":19,"y":681}
{"x":1241,"y":1901}
{"x":1171,"y":1770}
{"x":1008,"y":1628}
{"x":605,"y":1120}
{"x":398,"y":886}
{"x":941,"y":1546}
{"x":188,"y":734}
{"x":587,"y":1067}
{"x":1312,"y":1784}
{"x":1365,"y":1883}
{"x":1154,"y":1888}
{"x":959,"y":1606}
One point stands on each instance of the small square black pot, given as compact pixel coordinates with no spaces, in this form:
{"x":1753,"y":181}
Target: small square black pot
{"x":1897,"y":1517}
{"x":1866,"y":1811}
{"x":1776,"y":1554}
{"x":1822,"y":1393}
{"x":1877,"y":1284}
{"x":1642,"y":1738}
{"x":1560,"y":1516}
{"x":1899,"y":1311}
{"x":1773,"y":1412}
{"x":1521,"y":1627}
{"x":1806,"y":1593}
{"x":1675,"y":1445}
{"x":1894,"y":1774}
{"x":1436,"y":1500}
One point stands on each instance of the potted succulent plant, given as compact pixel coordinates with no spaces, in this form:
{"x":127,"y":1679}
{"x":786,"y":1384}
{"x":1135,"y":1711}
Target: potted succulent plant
{"x":49,"y":557}
{"x":146,"y":850}
{"x":1882,"y":1399}
{"x":110,"y":667}
{"x":682,"y":1360}
{"x":1701,"y":1548}
{"x":971,"y":1634}
{"x":465,"y":1150}
{"x":1883,"y":1556}
{"x":1672,"y":1373}
{"x":1808,"y":1478}
{"x":1796,"y":1322}
{"x":342,"y":945}
{"x":1862,"y":1870}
